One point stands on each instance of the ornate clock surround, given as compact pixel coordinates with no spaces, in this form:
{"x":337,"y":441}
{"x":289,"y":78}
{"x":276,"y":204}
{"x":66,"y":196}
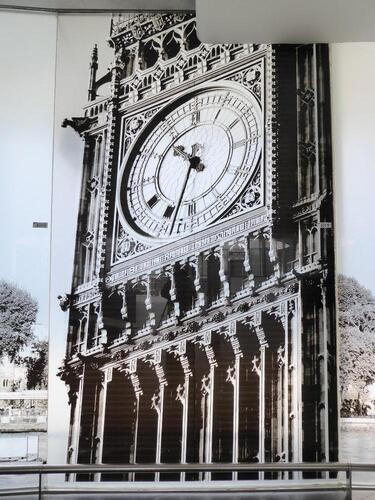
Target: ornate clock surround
{"x":252,"y":78}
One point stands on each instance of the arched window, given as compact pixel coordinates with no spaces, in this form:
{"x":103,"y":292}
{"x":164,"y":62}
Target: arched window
{"x":211,"y":275}
{"x":259,"y":258}
{"x":93,"y":333}
{"x":186,"y":294}
{"x":171,"y":45}
{"x":136,"y":301}
{"x":190,"y":35}
{"x":237,"y":273}
{"x":286,"y":249}
{"x":314,"y":244}
{"x":112,"y":315}
{"x":150,"y":54}
{"x":310,"y":244}
{"x":162,"y":305}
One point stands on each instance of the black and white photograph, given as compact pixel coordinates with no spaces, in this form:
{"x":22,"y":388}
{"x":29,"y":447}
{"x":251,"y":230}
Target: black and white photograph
{"x":200,"y":312}
{"x":187,"y":288}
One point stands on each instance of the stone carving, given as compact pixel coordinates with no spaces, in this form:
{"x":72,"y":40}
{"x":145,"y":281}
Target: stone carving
{"x":127,"y":246}
{"x":156,"y":402}
{"x":206,"y":385}
{"x":79,"y":124}
{"x":64,"y":301}
{"x":256,"y":365}
{"x":251,"y":78}
{"x":252,"y":196}
{"x":71,"y":376}
{"x":231,"y":375}
{"x":307,"y":96}
{"x":281,"y":356}
{"x":135,"y":28}
{"x":180,"y":393}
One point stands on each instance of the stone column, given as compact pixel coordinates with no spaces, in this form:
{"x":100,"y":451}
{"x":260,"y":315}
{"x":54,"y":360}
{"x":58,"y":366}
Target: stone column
{"x":131,"y":372}
{"x":234,"y":377}
{"x":323,"y":362}
{"x":182,"y":395}
{"x":201,"y":299}
{"x":259,"y":368}
{"x":82,"y":333}
{"x":285,"y":368}
{"x":295,"y":415}
{"x":104,"y":379}
{"x":157,"y":402}
{"x":122,"y":291}
{"x":208,"y":384}
{"x":223,"y":273}
{"x":173,"y":294}
{"x":148,"y":301}
{"x":244,"y":242}
{"x":92,"y":184}
{"x":74,"y":379}
{"x":95,"y":196}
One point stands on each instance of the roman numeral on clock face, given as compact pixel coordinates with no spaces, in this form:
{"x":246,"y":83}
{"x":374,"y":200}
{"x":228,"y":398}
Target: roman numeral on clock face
{"x":217,"y":115}
{"x":153,"y":201}
{"x":238,"y":170}
{"x":240,"y":143}
{"x":234,"y":123}
{"x":192,"y":209}
{"x":168,"y":212}
{"x":195,"y":117}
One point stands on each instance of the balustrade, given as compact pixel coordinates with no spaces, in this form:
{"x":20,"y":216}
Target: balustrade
{"x":179,"y":291}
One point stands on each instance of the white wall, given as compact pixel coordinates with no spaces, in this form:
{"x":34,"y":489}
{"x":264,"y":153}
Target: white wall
{"x":27,"y":68}
{"x":353,"y":113}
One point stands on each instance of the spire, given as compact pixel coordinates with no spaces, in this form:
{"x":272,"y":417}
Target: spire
{"x":93,"y":70}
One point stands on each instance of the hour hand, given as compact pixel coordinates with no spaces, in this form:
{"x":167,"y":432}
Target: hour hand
{"x":196,"y":149}
{"x":194,"y":158}
{"x":180,"y":151}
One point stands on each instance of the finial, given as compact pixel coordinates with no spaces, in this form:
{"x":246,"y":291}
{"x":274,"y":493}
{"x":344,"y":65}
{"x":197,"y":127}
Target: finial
{"x":94,"y":55}
{"x":93,"y":70}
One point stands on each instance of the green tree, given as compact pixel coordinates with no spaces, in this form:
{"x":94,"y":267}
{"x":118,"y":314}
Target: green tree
{"x":18,"y":312}
{"x":37,"y":365}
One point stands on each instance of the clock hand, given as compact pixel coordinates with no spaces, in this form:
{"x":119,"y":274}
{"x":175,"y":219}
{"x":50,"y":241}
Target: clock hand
{"x":195,"y":160}
{"x":195,"y":149}
{"x":178,"y":205}
{"x":180,"y":151}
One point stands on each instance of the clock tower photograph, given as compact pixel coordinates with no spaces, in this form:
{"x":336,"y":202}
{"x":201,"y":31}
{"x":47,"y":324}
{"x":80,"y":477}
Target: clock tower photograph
{"x":200,"y":312}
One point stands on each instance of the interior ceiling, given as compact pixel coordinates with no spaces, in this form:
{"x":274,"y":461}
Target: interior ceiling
{"x":241,"y":21}
{"x":98,"y":5}
{"x":285,"y":21}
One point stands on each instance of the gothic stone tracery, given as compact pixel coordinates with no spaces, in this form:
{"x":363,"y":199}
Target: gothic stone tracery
{"x":223,"y":339}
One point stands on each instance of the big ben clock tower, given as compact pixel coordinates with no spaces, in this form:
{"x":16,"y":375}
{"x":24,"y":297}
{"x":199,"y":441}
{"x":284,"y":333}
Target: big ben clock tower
{"x":202,"y":325}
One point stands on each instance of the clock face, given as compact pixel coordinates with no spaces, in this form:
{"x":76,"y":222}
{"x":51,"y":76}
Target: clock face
{"x":192,"y":162}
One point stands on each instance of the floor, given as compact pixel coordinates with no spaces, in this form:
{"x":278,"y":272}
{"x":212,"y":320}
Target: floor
{"x":322,"y":495}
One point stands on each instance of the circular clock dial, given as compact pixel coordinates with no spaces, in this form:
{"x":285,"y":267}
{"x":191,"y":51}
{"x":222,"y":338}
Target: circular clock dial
{"x":193,"y":163}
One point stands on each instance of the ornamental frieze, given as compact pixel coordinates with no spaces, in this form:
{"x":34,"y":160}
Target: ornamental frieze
{"x":190,"y":248}
{"x":133,"y":28}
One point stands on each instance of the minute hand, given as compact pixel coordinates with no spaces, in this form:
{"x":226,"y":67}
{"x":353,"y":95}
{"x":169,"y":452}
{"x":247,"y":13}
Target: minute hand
{"x":181,"y":197}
